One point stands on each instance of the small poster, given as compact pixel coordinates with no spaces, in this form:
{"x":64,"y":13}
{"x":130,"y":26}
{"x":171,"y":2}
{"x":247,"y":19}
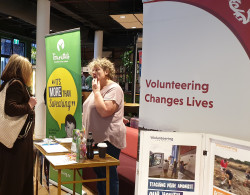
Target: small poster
{"x":229,"y":167}
{"x":169,"y":163}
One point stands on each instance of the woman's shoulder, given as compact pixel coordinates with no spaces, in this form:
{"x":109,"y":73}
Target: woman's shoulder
{"x":12,"y":84}
{"x":2,"y":86}
{"x":115,"y":86}
{"x":16,"y":83}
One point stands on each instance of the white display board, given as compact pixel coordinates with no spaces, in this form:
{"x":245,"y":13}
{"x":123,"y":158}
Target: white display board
{"x":195,"y":72}
{"x":197,"y":158}
{"x":237,"y":154}
{"x":155,"y":148}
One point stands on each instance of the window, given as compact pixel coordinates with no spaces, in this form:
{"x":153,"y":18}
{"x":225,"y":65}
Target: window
{"x":4,"y":61}
{"x":6,"y":47}
{"x":9,"y":47}
{"x":33,"y":54}
{"x":18,"y":48}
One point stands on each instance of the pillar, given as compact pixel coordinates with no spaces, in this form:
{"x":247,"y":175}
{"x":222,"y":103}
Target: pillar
{"x":42,"y":29}
{"x":98,"y":44}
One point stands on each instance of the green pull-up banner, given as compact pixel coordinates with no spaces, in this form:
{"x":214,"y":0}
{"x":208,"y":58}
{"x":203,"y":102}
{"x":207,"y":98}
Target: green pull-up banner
{"x":63,"y":90}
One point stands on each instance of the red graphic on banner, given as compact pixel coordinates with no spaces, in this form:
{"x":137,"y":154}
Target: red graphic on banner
{"x":235,"y":14}
{"x":140,"y":56}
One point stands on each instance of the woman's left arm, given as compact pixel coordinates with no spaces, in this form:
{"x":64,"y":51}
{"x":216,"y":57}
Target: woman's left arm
{"x":104,"y":108}
{"x":14,"y":103}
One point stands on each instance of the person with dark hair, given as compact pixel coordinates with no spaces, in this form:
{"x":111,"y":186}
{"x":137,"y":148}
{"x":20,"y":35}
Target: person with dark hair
{"x":223,"y":167}
{"x":223,"y":163}
{"x":174,"y":170}
{"x":229,"y":176}
{"x":247,"y":177}
{"x":16,"y":164}
{"x":165,"y":168}
{"x":83,"y":79}
{"x":88,"y":82}
{"x":70,"y":125}
{"x":181,"y":169}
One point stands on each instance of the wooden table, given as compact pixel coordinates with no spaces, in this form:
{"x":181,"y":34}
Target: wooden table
{"x":131,"y":104}
{"x":85,"y":95}
{"x":132,"y":108}
{"x":83,"y":163}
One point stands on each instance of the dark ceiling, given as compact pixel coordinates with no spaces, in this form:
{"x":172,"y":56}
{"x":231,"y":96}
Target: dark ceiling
{"x":89,"y":15}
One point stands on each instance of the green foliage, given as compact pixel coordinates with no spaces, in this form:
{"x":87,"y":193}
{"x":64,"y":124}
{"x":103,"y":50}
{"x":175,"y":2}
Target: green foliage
{"x":33,"y":54}
{"x":239,"y":161}
{"x":128,"y":64}
{"x":128,"y":98}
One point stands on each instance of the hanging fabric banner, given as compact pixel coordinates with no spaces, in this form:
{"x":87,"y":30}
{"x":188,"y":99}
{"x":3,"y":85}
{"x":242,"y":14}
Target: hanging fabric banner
{"x":196,"y":67}
{"x":63,"y":75}
{"x":63,"y":90}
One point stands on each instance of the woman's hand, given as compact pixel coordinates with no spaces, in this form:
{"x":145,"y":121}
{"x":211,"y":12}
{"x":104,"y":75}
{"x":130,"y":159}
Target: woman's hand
{"x":96,"y":85}
{"x":32,"y":102}
{"x":104,"y":108}
{"x":125,"y":121}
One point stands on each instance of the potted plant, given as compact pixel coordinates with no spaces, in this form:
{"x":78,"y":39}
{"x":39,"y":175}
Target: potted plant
{"x":128,"y":65}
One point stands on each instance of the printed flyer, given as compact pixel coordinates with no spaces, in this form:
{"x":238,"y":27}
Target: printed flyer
{"x":169,"y":163}
{"x":229,"y":170}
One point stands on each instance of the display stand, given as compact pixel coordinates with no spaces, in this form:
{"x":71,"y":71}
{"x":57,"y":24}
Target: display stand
{"x":193,"y":164}
{"x":237,"y":153}
{"x":83,"y":163}
{"x":63,"y":88}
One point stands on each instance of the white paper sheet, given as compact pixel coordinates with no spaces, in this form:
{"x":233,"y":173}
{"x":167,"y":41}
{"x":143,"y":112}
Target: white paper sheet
{"x":64,"y":140}
{"x":54,"y":148}
{"x":60,"y":160}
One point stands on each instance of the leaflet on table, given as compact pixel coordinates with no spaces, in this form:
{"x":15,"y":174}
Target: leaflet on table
{"x":64,"y":140}
{"x":45,"y":141}
{"x":169,"y":163}
{"x":54,"y":148}
{"x":60,"y":160}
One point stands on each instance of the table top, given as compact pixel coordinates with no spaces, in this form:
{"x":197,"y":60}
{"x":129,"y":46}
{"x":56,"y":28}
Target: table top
{"x":83,"y":163}
{"x":131,"y":104}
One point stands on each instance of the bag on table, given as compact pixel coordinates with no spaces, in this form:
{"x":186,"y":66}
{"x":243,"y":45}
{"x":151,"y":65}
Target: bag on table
{"x":10,"y":127}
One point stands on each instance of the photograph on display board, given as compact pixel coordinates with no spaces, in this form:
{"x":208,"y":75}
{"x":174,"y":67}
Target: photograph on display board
{"x":231,"y":170}
{"x":175,"y":162}
{"x":169,"y":163}
{"x":70,"y":125}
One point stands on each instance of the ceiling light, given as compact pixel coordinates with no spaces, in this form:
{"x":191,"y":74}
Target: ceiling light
{"x":129,"y":21}
{"x":9,"y":17}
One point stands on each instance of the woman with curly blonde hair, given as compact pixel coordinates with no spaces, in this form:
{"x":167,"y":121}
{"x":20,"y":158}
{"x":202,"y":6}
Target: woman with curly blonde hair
{"x":103,"y":116}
